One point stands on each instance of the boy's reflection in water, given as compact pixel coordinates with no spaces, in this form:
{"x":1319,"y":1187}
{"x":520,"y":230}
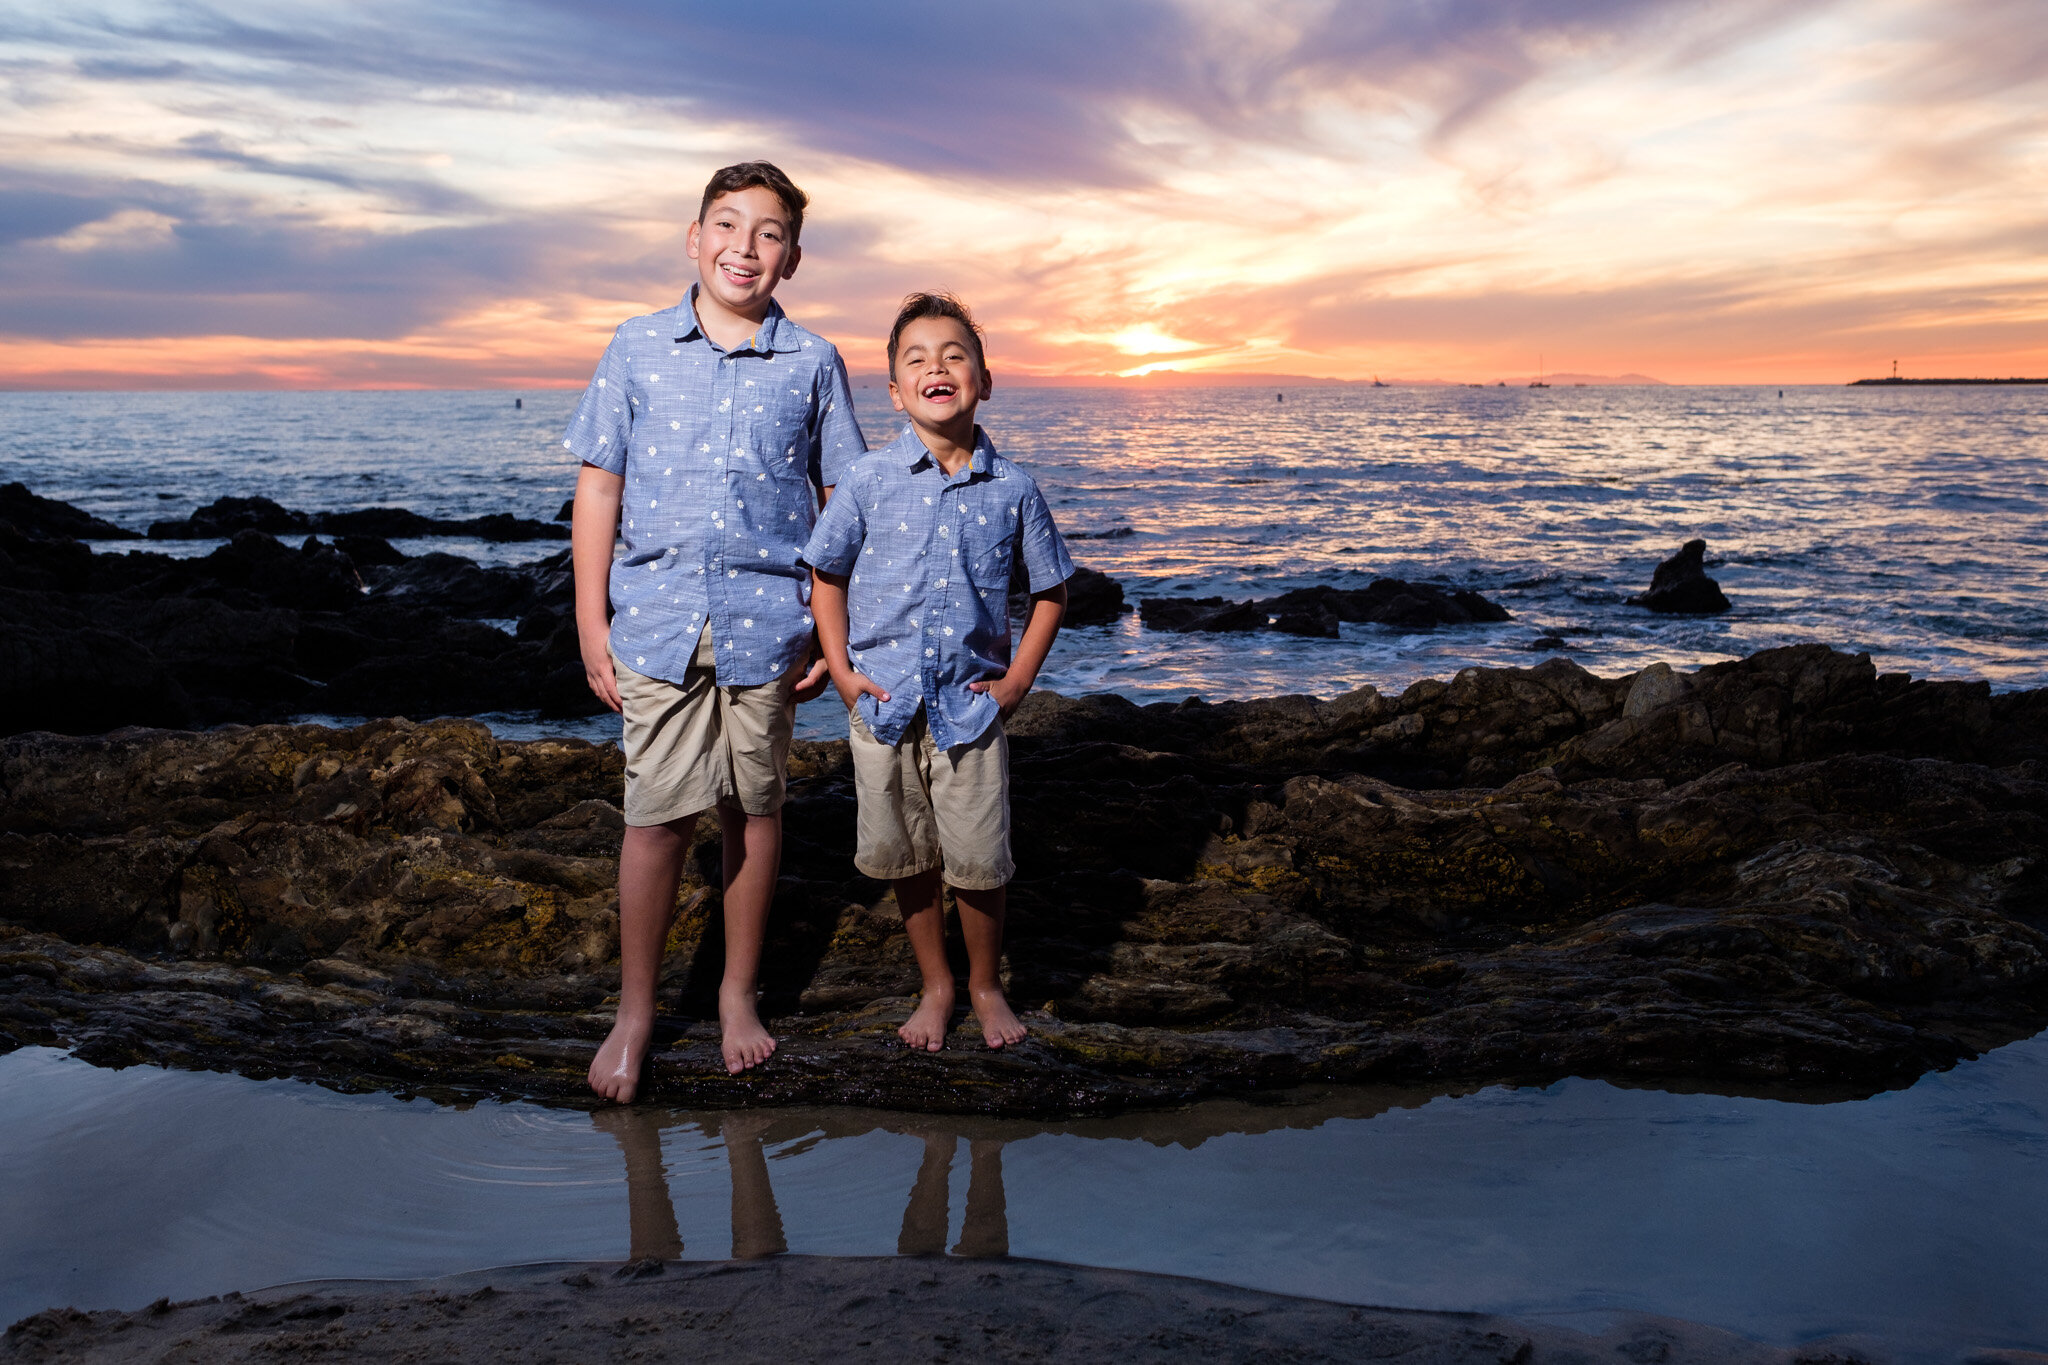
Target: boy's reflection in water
{"x":757,"y":1223}
{"x":650,"y":1213}
{"x":987,"y":1229}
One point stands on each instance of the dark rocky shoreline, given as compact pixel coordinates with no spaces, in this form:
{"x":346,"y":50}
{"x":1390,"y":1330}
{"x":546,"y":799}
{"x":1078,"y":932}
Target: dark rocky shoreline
{"x":225,"y":517}
{"x":261,"y":630}
{"x":1787,"y":871}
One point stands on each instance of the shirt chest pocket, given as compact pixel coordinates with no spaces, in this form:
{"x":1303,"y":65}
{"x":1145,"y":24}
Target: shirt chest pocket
{"x":778,"y":418}
{"x":988,"y":544}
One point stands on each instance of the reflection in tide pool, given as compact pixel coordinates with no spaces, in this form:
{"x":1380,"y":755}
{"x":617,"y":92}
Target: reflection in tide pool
{"x":1913,"y":1216}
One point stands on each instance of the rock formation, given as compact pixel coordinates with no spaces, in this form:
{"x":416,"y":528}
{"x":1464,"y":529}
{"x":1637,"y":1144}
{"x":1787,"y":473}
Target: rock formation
{"x":1788,"y":870}
{"x":1680,"y":585}
{"x":258,"y":630}
{"x":1317,"y":611}
{"x":48,"y":519}
{"x":1093,"y":599}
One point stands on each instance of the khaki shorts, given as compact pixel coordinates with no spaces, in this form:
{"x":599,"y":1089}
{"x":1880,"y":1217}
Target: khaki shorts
{"x":696,"y":745}
{"x":922,"y":807}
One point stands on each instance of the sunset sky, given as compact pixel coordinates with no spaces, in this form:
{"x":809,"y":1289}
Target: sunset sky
{"x":468,"y":195}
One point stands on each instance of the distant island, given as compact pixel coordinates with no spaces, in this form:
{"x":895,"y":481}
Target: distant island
{"x":1890,"y":381}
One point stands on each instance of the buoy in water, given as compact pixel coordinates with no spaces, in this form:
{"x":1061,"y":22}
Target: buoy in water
{"x":1279,"y":398}
{"x":519,"y":402}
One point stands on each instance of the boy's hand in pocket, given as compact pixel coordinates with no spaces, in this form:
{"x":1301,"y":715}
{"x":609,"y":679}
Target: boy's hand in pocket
{"x":1009,"y":695}
{"x":852,"y":684}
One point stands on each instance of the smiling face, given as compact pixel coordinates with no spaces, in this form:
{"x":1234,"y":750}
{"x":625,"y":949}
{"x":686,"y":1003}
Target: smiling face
{"x":742,"y":248}
{"x":939,"y":377}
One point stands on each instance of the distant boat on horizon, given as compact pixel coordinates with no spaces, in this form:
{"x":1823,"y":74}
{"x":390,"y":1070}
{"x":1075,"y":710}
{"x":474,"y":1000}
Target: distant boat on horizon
{"x":1537,"y":382}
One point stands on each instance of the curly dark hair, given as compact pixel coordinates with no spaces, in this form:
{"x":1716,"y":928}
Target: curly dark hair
{"x":935,"y":306}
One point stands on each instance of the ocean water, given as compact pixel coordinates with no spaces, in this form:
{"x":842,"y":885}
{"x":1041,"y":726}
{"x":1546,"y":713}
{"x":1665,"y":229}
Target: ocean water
{"x":1902,"y":522}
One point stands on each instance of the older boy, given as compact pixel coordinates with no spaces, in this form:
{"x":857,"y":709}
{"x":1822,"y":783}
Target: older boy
{"x":912,"y":567}
{"x":709,"y":436}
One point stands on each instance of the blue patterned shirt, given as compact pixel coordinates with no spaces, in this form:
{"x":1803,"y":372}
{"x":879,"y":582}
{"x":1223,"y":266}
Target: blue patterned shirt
{"x":927,"y":556}
{"x":722,"y":453}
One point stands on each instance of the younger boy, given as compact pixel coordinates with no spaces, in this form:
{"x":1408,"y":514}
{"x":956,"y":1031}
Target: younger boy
{"x":911,"y":587}
{"x":709,"y":436}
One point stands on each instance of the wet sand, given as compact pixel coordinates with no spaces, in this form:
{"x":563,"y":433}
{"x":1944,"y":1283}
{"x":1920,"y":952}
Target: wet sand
{"x":797,"y":1308}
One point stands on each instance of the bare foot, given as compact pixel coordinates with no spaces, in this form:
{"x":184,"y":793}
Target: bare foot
{"x":615,"y":1071}
{"x":926,"y":1027}
{"x":740,"y":1035}
{"x":998,"y":1024}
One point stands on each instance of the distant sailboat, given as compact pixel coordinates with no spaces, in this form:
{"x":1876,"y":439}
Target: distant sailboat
{"x":1376,"y":382}
{"x":1537,"y":382}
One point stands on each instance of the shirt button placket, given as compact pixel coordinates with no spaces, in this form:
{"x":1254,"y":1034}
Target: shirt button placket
{"x":934,"y":607}
{"x":722,"y":459}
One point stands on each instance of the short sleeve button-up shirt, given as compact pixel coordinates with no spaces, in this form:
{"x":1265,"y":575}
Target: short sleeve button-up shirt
{"x":722,"y":453}
{"x":928,"y":557}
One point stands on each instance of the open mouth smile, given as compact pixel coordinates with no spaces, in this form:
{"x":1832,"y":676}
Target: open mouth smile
{"x":937,"y":393}
{"x":739,"y":274}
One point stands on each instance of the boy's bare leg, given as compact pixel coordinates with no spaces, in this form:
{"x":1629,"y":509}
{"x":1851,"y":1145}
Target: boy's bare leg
{"x":650,"y":870}
{"x":753,"y":856}
{"x":981,"y":924}
{"x":924,"y":924}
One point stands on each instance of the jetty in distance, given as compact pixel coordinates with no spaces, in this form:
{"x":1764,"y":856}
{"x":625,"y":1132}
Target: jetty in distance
{"x":1896,"y":379}
{"x":1890,"y":380}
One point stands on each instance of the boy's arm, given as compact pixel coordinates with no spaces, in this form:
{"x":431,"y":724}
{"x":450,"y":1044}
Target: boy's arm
{"x":816,"y":675}
{"x":593,"y":531}
{"x":828,"y":605}
{"x":1041,"y":628}
{"x":836,"y":443}
{"x":1044,"y":556}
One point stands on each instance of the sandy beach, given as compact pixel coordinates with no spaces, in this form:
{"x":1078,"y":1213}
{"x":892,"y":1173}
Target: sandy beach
{"x":798,"y":1308}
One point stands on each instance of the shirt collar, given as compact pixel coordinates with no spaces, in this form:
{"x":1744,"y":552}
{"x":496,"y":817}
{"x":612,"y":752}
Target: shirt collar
{"x":776,"y":332}
{"x":913,"y":454}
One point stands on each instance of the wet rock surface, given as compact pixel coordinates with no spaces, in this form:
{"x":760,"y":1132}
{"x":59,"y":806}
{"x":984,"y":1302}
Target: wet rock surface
{"x":1784,"y":871}
{"x":1680,"y":585}
{"x":1318,"y":611}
